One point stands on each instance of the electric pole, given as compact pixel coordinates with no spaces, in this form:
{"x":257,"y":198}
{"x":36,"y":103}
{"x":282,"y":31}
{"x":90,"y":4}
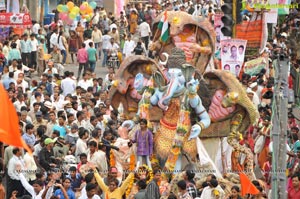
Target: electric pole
{"x":279,"y":129}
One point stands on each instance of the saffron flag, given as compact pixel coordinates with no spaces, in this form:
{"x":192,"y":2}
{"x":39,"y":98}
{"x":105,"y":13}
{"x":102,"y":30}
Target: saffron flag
{"x":246,"y":185}
{"x":9,"y":125}
{"x":163,"y":25}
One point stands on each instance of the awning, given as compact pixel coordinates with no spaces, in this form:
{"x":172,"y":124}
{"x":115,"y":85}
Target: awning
{"x":21,"y":20}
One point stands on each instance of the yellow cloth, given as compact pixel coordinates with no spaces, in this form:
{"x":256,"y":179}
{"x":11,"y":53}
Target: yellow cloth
{"x":133,"y":22}
{"x":118,"y":192}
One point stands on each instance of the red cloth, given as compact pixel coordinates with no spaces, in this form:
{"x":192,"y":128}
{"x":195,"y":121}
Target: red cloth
{"x":290,"y":79}
{"x":293,"y":194}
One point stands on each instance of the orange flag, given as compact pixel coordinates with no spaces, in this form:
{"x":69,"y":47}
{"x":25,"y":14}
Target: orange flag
{"x":246,"y":185}
{"x":9,"y":123}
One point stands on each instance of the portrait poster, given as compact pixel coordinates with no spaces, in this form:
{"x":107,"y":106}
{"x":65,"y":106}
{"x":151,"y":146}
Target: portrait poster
{"x":218,"y":24}
{"x":233,"y":54}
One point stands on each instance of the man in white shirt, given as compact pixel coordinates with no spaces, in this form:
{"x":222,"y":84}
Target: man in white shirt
{"x":34,"y":47}
{"x":23,"y":83}
{"x":105,"y":42}
{"x":36,"y":190}
{"x":35,"y":27}
{"x":88,"y":192}
{"x":51,"y":70}
{"x":145,"y":33}
{"x":30,"y":166}
{"x":20,"y":102}
{"x":85,"y":82}
{"x":112,"y":26}
{"x":53,"y":39}
{"x":68,"y":85}
{"x":207,"y":192}
{"x":15,"y":163}
{"x":86,"y":42}
{"x":97,"y":157}
{"x":81,"y":146}
{"x":113,"y":48}
{"x":128,"y":46}
{"x":81,"y":122}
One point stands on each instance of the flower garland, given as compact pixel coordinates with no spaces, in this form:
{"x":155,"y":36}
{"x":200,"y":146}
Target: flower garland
{"x":112,"y":160}
{"x":150,"y":173}
{"x":183,"y":127}
{"x":143,"y":167}
{"x":131,"y":168}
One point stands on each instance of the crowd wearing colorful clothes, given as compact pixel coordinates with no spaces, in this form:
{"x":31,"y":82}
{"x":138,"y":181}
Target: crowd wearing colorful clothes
{"x":69,"y":123}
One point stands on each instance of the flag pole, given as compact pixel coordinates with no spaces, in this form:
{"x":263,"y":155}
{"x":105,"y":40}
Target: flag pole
{"x":234,"y":18}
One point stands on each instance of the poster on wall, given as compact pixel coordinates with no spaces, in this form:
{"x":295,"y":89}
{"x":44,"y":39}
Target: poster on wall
{"x":218,"y":24}
{"x":233,"y":54}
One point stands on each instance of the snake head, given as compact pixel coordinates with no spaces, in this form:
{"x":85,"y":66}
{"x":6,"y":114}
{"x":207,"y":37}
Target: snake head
{"x":230,"y":99}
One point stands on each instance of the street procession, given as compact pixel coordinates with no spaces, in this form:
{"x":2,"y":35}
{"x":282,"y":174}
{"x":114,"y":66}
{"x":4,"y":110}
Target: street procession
{"x":149,"y":99}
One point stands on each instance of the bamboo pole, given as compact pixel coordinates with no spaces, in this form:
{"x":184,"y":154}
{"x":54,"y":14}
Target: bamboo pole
{"x":234,"y":18}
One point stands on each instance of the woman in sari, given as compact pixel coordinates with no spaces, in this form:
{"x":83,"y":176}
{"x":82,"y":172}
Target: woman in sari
{"x":133,"y":19}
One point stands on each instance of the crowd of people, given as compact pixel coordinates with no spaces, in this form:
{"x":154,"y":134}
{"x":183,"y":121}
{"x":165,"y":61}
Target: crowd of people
{"x":67,"y":120}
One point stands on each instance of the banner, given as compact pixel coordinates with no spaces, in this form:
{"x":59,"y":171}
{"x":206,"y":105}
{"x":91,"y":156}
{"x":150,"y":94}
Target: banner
{"x":250,"y":31}
{"x":233,"y":54}
{"x":15,"y":20}
{"x":253,"y":67}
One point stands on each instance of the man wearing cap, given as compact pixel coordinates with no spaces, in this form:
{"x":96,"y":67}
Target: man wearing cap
{"x":39,"y":120}
{"x":251,"y":94}
{"x":60,"y":148}
{"x":46,"y":155}
{"x":254,"y":88}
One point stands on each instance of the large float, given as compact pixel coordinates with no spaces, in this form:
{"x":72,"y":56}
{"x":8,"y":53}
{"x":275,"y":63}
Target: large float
{"x":183,"y":104}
